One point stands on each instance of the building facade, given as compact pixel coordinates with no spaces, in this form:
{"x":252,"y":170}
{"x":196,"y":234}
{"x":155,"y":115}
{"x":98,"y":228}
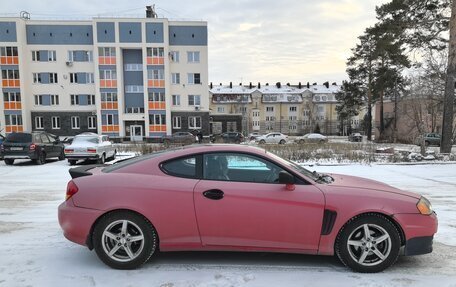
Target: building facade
{"x":293,"y":110}
{"x":126,"y":78}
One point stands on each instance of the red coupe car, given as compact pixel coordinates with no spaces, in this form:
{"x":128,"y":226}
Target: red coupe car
{"x":240,"y":198}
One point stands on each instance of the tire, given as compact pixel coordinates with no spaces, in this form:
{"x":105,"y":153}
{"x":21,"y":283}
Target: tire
{"x":9,"y":161}
{"x":102,"y":159}
{"x":108,"y":234}
{"x":367,"y":247}
{"x":41,"y":159}
{"x":282,"y":142}
{"x":71,"y":161}
{"x":301,"y":141}
{"x":62,"y":155}
{"x":262,"y":141}
{"x":426,"y":143}
{"x":114,"y":155}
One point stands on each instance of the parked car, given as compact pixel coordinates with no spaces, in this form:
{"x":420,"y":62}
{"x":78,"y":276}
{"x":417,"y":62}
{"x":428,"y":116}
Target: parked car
{"x":239,"y":198}
{"x":254,"y":135}
{"x":180,"y":138}
{"x":311,"y":138}
{"x":37,"y":146}
{"x":231,"y":137}
{"x":2,"y":138}
{"x":429,"y":139}
{"x":355,"y":137}
{"x":90,"y":146}
{"x":272,"y":138}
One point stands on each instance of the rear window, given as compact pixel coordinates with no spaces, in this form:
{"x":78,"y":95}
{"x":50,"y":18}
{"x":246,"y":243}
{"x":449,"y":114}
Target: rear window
{"x":86,"y":139}
{"x":19,"y":138}
{"x":182,"y":167}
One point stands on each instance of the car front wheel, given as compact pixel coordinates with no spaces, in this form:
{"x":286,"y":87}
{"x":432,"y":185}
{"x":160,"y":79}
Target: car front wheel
{"x":124,"y":240}
{"x":9,"y":161}
{"x":102,"y":159}
{"x":41,"y":159}
{"x":368,"y":244}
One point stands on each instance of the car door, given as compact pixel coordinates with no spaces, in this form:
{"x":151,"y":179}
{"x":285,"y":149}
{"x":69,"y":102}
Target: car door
{"x":243,"y":206}
{"x":47,"y":146}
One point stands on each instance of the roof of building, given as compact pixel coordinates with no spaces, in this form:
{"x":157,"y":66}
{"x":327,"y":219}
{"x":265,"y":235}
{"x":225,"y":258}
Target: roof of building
{"x":273,"y":89}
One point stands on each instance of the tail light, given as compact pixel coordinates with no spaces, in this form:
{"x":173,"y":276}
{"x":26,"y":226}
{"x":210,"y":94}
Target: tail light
{"x":32,"y":146}
{"x":72,"y":188}
{"x":91,"y":150}
{"x":67,"y":150}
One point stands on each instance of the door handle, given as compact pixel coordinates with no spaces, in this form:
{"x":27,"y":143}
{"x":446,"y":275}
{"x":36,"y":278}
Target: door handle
{"x":215,"y":194}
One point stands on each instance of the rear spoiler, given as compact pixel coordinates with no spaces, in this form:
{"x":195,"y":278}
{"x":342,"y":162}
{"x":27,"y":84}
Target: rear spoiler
{"x":83,"y":170}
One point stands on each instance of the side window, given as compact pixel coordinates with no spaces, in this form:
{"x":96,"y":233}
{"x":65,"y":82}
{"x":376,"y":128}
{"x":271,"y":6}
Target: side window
{"x":239,"y":168}
{"x":37,"y":138}
{"x":182,"y":167}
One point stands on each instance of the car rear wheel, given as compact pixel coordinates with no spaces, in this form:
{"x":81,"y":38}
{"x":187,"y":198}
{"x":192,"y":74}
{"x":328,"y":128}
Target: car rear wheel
{"x":41,"y":159}
{"x":62,"y":155}
{"x":124,"y":240}
{"x":368,"y":244}
{"x":282,"y":142}
{"x":262,"y":141}
{"x":71,"y":161}
{"x":301,"y":141}
{"x":9,"y":161}
{"x":102,"y":159}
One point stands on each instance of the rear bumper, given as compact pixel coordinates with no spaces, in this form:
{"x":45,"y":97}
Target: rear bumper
{"x":81,"y":156}
{"x":76,"y":222}
{"x":19,"y":155}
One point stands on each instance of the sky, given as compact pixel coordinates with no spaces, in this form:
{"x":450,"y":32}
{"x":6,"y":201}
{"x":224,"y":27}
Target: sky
{"x":266,"y":41}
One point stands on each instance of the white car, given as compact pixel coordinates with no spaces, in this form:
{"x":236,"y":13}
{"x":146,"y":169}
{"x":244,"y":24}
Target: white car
{"x":312,"y":138}
{"x":272,"y":138}
{"x":90,"y":146}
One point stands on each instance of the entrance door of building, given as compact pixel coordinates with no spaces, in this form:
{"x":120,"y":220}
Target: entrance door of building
{"x":136,"y":133}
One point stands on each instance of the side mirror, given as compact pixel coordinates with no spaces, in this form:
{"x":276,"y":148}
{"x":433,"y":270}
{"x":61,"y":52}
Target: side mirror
{"x":287,"y":179}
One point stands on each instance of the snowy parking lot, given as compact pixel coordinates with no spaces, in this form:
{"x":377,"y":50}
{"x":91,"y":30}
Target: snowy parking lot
{"x":33,"y":251}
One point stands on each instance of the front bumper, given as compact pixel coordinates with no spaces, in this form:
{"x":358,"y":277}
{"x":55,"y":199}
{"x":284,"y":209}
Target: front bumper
{"x":418,"y":245}
{"x":76,"y":222}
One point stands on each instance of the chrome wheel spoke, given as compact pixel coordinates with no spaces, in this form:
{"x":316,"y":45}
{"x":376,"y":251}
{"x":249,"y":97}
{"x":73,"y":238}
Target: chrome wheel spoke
{"x":381,"y":238}
{"x":110,"y":235}
{"x":114,"y":250}
{"x":129,"y":252}
{"x":355,"y":243}
{"x":124,"y":227}
{"x":379,"y":254}
{"x":136,"y":238}
{"x":366,"y":231}
{"x":363,"y":257}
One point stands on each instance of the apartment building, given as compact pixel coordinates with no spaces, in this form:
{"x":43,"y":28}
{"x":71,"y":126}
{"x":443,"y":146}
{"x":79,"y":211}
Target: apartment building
{"x":135,"y":78}
{"x":292,"y":110}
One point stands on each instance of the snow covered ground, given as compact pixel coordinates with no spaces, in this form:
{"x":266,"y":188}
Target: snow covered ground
{"x":33,"y":251}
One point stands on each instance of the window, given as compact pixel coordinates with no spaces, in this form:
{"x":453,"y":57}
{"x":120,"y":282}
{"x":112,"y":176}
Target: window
{"x":36,"y":56}
{"x":55,"y":100}
{"x":194,"y":78}
{"x":52,"y":56}
{"x":73,"y":78}
{"x":75,"y":123}
{"x":155,"y":52}
{"x":174,"y":56}
{"x":36,"y":78}
{"x":175,"y":78}
{"x":92,"y":122}
{"x":177,"y":122}
{"x":256,"y":114}
{"x":10,"y":74}
{"x":240,"y":168}
{"x":176,"y":100}
{"x":110,"y":119}
{"x":220,"y":109}
{"x":13,"y":120}
{"x":194,"y":100}
{"x":55,"y":122}
{"x":106,"y":52}
{"x":157,"y":120}
{"x":91,"y":100}
{"x":80,"y":56}
{"x":90,"y":78}
{"x":155,"y":74}
{"x":109,"y":97}
{"x":193,"y":57}
{"x":292,"y":118}
{"x":293,"y":109}
{"x":194,"y":122}
{"x":8,"y":51}
{"x":156,"y":97}
{"x":74,"y":100}
{"x":108,"y":75}
{"x":11,"y":97}
{"x":53,"y":78}
{"x":38,"y":100}
{"x":269,"y":109}
{"x":133,"y":67}
{"x":39,"y":123}
{"x":183,"y":167}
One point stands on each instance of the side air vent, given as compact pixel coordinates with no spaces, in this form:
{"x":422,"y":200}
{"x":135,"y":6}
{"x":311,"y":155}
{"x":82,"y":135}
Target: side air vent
{"x":329,"y":218}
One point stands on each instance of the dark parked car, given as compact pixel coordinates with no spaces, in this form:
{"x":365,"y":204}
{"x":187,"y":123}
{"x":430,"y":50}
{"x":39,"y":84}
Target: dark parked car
{"x":37,"y":146}
{"x":232,"y":137}
{"x":355,"y":137}
{"x":180,"y":138}
{"x":429,"y":139}
{"x":2,"y":138}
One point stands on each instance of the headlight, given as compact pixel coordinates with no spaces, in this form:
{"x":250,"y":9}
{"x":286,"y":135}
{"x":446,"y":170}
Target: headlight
{"x":424,"y":206}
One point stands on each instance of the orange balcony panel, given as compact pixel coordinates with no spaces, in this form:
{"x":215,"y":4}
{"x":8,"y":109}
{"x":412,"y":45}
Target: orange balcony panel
{"x":116,"y":128}
{"x":102,"y":83}
{"x":5,"y":83}
{"x":151,"y":105}
{"x":8,"y":129}
{"x":115,"y":106}
{"x":161,"y":61}
{"x":108,"y":83}
{"x":19,"y":106}
{"x":20,"y":128}
{"x":150,"y":83}
{"x":10,"y":83}
{"x":103,"y":106}
{"x":15,"y":60}
{"x":104,"y":129}
{"x":162,"y":106}
{"x":163,"y":128}
{"x":149,"y":61}
{"x":113,"y":61}
{"x":7,"y":105}
{"x":2,"y":60}
{"x":9,"y":60}
{"x":114,"y":83}
{"x":101,"y":60}
{"x":17,"y":83}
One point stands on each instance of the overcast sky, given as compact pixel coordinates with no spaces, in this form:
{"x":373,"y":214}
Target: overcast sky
{"x":249,"y":40}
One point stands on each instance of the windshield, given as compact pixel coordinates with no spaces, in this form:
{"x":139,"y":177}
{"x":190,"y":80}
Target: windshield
{"x":19,"y":138}
{"x":86,"y":139}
